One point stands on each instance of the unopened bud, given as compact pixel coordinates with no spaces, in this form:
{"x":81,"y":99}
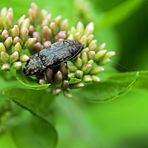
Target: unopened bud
{"x":58,"y":77}
{"x":87,"y":78}
{"x":71,"y":75}
{"x":3,"y":17}
{"x":64,"y":25}
{"x":65,"y":84}
{"x":44,"y":13}
{"x":31,"y":29}
{"x":71,"y":67}
{"x":2,"y":47}
{"x":61,"y":35}
{"x":84,"y":57}
{"x":16,"y":40}
{"x":78,"y":62}
{"x":15,"y":31}
{"x":100,"y":54}
{"x":73,"y":30}
{"x":102,"y":46}
{"x":58,"y":20}
{"x":21,"y":20}
{"x":104,"y":61}
{"x":18,"y":47}
{"x":93,"y":45}
{"x":37,"y":36}
{"x":38,"y":46}
{"x":17,"y":65}
{"x":26,"y":23}
{"x":64,"y":70}
{"x":47,"y":33}
{"x":4,"y":57}
{"x":97,"y":70}
{"x":80,"y":27}
{"x":77,"y":35}
{"x":24,"y":58}
{"x":90,"y":38}
{"x":79,"y":74}
{"x":33,"y":12}
{"x":30,"y":42}
{"x":46,"y":20}
{"x":83,"y":39}
{"x":5,"y":67}
{"x":53,"y":26}
{"x":85,"y":50}
{"x":49,"y":74}
{"x":42,"y":81}
{"x":91,"y":62}
{"x":78,"y":85}
{"x":5,"y":34}
{"x":70,"y":37}
{"x":8,"y":42}
{"x":14,"y":57}
{"x":47,"y":44}
{"x":95,"y":78}
{"x":24,"y":33}
{"x":9,"y":18}
{"x":110,"y":54}
{"x":87,"y":68}
{"x":91,"y":55}
{"x":89,"y":28}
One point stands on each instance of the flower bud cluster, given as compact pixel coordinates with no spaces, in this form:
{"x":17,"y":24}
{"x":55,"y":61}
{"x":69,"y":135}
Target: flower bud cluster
{"x":38,"y":30}
{"x":13,"y":39}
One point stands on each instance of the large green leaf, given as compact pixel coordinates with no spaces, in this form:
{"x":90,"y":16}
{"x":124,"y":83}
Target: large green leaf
{"x":142,"y":82}
{"x":33,"y":132}
{"x":36,"y":101}
{"x":113,"y":87}
{"x":29,"y":82}
{"x":6,"y":141}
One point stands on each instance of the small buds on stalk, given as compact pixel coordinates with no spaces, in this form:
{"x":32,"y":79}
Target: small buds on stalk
{"x":38,"y":30}
{"x":14,"y":57}
{"x":24,"y":58}
{"x":30,"y":42}
{"x":2,"y":47}
{"x":5,"y":34}
{"x":17,"y":65}
{"x":5,"y":67}
{"x":8,"y":42}
{"x":4,"y":57}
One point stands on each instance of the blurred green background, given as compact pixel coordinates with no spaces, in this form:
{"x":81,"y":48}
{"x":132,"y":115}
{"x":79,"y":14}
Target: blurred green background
{"x":123,"y":25}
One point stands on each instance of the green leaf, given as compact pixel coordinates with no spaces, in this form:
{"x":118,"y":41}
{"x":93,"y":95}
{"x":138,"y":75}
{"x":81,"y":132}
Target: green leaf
{"x":34,"y":132}
{"x":36,"y":101}
{"x":110,"y":89}
{"x":118,"y":14}
{"x":74,"y":81}
{"x":142,"y":82}
{"x":6,"y":83}
{"x":30,"y":83}
{"x":6,"y":141}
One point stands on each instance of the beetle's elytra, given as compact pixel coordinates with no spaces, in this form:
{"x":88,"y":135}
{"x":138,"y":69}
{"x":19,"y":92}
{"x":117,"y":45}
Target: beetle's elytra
{"x":52,"y":57}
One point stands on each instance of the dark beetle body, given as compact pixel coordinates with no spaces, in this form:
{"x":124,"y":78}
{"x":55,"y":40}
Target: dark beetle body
{"x":52,"y":57}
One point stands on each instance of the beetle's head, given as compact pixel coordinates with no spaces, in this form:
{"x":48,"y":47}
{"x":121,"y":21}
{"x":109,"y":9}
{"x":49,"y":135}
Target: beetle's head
{"x":76,"y":47}
{"x":33,"y":66}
